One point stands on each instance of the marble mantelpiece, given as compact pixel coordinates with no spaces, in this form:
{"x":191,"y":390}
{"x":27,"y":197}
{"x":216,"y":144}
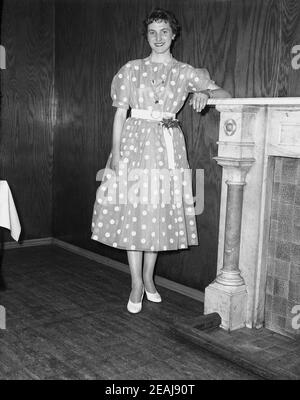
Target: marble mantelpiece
{"x":251,"y":132}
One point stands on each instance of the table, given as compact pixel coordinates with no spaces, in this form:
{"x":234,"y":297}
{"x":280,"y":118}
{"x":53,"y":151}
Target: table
{"x":8,"y":219}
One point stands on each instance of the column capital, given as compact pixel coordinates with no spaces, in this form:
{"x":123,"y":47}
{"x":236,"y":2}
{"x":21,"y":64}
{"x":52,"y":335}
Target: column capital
{"x":236,"y":168}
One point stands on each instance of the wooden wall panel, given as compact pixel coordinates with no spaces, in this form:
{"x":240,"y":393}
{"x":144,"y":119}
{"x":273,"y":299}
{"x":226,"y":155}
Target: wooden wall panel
{"x":26,"y":141}
{"x":243,"y":43}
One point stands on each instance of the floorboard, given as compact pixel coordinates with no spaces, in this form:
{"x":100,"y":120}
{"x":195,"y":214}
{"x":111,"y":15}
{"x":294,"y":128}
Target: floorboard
{"x":67,"y":319}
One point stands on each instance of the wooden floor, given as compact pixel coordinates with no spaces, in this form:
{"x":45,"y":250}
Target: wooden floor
{"x":67,"y":319}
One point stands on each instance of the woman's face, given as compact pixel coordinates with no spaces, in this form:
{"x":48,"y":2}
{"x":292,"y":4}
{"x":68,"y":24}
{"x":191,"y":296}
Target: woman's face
{"x":160,"y":36}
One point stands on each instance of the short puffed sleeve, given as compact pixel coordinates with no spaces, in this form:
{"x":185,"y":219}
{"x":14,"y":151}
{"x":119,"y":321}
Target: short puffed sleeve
{"x":198,"y":79}
{"x":120,"y":88}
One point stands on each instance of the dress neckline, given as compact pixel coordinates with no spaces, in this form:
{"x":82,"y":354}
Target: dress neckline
{"x":166,"y":64}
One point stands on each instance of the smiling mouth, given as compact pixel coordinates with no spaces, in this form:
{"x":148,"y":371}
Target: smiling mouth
{"x":159,"y":44}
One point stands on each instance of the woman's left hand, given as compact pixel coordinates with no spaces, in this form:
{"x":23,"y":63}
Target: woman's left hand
{"x":199,"y":101}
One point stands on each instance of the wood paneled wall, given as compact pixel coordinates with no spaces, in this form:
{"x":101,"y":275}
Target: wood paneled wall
{"x":245,"y":44}
{"x":26,"y":138}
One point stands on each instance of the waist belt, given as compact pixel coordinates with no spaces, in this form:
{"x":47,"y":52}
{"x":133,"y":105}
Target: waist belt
{"x":168,"y":120}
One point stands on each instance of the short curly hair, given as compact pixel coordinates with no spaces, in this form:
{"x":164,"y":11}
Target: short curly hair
{"x":160,"y":14}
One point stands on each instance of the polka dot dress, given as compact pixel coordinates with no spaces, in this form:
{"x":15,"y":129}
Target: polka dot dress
{"x":146,"y":205}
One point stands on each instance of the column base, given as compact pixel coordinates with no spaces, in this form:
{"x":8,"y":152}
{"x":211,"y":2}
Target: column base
{"x":229,"y":302}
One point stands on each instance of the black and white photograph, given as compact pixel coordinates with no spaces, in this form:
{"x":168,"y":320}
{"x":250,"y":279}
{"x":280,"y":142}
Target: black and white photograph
{"x":150,"y":193}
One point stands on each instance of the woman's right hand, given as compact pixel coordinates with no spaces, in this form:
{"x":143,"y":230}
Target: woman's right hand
{"x":115,"y":159}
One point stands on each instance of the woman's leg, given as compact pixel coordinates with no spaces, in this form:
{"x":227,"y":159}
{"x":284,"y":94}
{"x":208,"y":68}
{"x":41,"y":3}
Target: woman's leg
{"x":135,"y":260}
{"x":149,"y":264}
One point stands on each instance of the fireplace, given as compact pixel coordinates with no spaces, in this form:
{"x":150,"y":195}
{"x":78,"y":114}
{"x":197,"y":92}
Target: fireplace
{"x":258,"y":280}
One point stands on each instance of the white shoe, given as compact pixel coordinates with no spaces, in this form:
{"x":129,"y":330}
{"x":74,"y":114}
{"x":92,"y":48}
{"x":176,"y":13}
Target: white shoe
{"x":135,"y":308}
{"x":155,"y":297}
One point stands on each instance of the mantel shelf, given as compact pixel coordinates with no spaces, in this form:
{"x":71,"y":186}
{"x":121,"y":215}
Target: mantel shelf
{"x":267,"y":101}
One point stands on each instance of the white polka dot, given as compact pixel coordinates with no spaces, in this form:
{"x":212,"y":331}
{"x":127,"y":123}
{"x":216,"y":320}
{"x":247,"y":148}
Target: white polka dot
{"x":95,"y":237}
{"x":171,"y":240}
{"x":144,"y":212}
{"x":100,"y":224}
{"x":141,"y":100}
{"x":144,"y":74}
{"x":133,"y":233}
{"x":120,"y":76}
{"x":153,"y":219}
{"x":122,"y":87}
{"x":114,"y":244}
{"x":170,"y":226}
{"x":142,"y":86}
{"x":152,"y":234}
{"x":132,"y":247}
{"x":155,"y":69}
{"x":136,"y":67}
{"x":171,"y":95}
{"x":112,"y":221}
{"x":193,"y":235}
{"x":196,"y":79}
{"x":107,"y":234}
{"x":172,"y":83}
{"x":175,"y":103}
{"x":104,"y":211}
{"x":144,"y":226}
{"x":152,"y":248}
{"x":133,"y":79}
{"x":125,"y":240}
{"x":143,"y":240}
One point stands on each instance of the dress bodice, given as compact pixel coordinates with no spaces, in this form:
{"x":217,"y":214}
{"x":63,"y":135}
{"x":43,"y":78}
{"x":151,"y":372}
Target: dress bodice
{"x":144,"y":84}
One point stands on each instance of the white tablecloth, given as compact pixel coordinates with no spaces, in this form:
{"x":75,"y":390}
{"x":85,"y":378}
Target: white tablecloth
{"x":8,"y":214}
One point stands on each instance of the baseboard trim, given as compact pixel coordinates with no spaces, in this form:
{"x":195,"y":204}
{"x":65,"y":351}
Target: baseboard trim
{"x":28,"y":243}
{"x":168,"y":284}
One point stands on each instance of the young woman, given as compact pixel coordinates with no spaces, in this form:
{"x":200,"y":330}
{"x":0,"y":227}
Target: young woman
{"x":139,"y":206}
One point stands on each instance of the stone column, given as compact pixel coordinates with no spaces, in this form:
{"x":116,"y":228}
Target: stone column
{"x":230,"y":273}
{"x":227,"y":295}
